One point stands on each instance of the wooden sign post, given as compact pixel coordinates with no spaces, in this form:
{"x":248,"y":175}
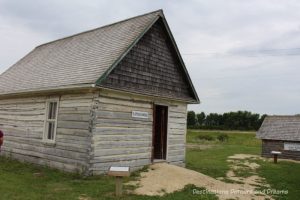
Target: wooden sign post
{"x":275,"y":154}
{"x":119,"y":173}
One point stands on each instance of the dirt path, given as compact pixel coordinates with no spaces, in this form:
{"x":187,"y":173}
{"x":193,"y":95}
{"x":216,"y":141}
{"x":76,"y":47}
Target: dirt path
{"x":163,"y":178}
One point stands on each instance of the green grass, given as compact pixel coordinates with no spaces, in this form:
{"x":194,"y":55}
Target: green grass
{"x":21,"y":181}
{"x":212,"y":161}
{"x":282,"y":176}
{"x":244,"y":172}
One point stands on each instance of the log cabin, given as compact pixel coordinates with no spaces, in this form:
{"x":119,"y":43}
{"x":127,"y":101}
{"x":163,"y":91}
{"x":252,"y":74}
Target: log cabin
{"x":113,"y":96}
{"x":280,"y":133}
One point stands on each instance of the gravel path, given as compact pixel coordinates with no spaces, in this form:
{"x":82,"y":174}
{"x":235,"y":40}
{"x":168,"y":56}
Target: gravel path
{"x":163,"y":178}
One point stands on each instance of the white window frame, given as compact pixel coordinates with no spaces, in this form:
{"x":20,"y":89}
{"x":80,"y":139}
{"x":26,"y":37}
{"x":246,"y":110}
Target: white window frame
{"x":45,"y":134}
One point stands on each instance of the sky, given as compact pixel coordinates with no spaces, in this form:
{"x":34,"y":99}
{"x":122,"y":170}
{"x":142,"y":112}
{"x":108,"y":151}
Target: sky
{"x":241,"y":55}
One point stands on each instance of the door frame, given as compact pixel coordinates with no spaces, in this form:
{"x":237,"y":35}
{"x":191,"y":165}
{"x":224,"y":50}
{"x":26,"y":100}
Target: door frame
{"x":153,"y":129}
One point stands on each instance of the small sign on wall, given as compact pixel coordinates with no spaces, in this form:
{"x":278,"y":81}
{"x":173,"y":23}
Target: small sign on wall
{"x":291,"y":146}
{"x":140,"y":114}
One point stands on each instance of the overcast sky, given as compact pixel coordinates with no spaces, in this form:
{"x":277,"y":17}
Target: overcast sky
{"x":241,"y":55}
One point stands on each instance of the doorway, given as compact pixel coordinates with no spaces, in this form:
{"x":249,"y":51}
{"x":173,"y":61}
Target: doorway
{"x":160,"y":129}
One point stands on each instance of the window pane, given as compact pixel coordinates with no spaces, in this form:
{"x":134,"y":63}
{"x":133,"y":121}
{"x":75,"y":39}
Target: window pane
{"x":51,"y":126}
{"x":52,"y":110}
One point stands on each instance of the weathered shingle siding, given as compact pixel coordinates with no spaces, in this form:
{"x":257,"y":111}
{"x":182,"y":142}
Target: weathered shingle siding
{"x":22,"y":121}
{"x":278,"y":145}
{"x":152,"y":67}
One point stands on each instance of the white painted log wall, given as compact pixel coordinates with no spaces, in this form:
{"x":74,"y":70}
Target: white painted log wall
{"x":95,"y":131}
{"x":118,"y":139}
{"x":177,"y":133}
{"x":22,"y":120}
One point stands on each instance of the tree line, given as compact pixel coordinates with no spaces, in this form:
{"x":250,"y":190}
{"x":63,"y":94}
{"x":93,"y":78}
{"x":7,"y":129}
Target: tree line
{"x":240,"y":120}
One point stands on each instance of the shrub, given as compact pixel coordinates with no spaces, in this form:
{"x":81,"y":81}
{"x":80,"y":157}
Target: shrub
{"x":223,"y":137}
{"x":205,"y":137}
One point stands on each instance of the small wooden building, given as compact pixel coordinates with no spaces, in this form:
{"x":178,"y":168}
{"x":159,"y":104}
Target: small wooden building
{"x":112,"y":96}
{"x":281,"y":133}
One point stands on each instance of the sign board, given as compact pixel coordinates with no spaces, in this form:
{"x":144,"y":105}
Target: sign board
{"x":140,"y":114}
{"x":275,"y":152}
{"x":119,"y":171}
{"x":290,"y":146}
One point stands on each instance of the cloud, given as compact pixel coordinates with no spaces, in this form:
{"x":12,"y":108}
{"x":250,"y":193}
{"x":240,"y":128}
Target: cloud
{"x":16,"y":41}
{"x":241,"y":55}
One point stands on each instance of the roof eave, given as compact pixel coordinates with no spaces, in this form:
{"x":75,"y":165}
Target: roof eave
{"x":76,"y":87}
{"x":149,"y":95}
{"x":280,"y":139}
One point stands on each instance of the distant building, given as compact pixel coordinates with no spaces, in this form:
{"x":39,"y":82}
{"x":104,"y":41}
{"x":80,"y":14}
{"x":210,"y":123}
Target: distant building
{"x":281,"y":133}
{"x":116,"y":95}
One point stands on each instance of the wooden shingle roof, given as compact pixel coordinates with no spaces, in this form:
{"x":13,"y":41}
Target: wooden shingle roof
{"x":74,"y":60}
{"x":280,"y":128}
{"x":81,"y":60}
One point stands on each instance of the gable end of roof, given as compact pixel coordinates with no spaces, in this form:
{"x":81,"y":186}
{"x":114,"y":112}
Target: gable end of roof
{"x":110,"y":69}
{"x":160,"y":16}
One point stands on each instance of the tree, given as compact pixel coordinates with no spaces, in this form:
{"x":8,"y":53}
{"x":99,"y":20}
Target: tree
{"x":201,"y":118}
{"x":191,"y":118}
{"x":213,"y":120}
{"x":239,"y":120}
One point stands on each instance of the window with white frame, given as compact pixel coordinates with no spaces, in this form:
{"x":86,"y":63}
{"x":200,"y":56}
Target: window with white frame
{"x":51,"y":120}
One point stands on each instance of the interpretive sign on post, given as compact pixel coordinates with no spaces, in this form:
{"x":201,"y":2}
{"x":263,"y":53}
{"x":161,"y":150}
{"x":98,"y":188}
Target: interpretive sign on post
{"x":119,"y":173}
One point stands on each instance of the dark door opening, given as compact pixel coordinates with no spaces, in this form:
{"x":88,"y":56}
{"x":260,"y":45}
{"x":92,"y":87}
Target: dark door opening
{"x":160,"y":128}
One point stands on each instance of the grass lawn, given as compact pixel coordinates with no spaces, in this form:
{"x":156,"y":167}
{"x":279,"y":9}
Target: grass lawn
{"x":283,"y":176}
{"x":212,"y":161}
{"x":31,"y":182}
{"x":19,"y":181}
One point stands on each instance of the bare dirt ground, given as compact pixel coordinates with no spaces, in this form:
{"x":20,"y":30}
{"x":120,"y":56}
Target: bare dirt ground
{"x":163,"y":178}
{"x":243,"y":169}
